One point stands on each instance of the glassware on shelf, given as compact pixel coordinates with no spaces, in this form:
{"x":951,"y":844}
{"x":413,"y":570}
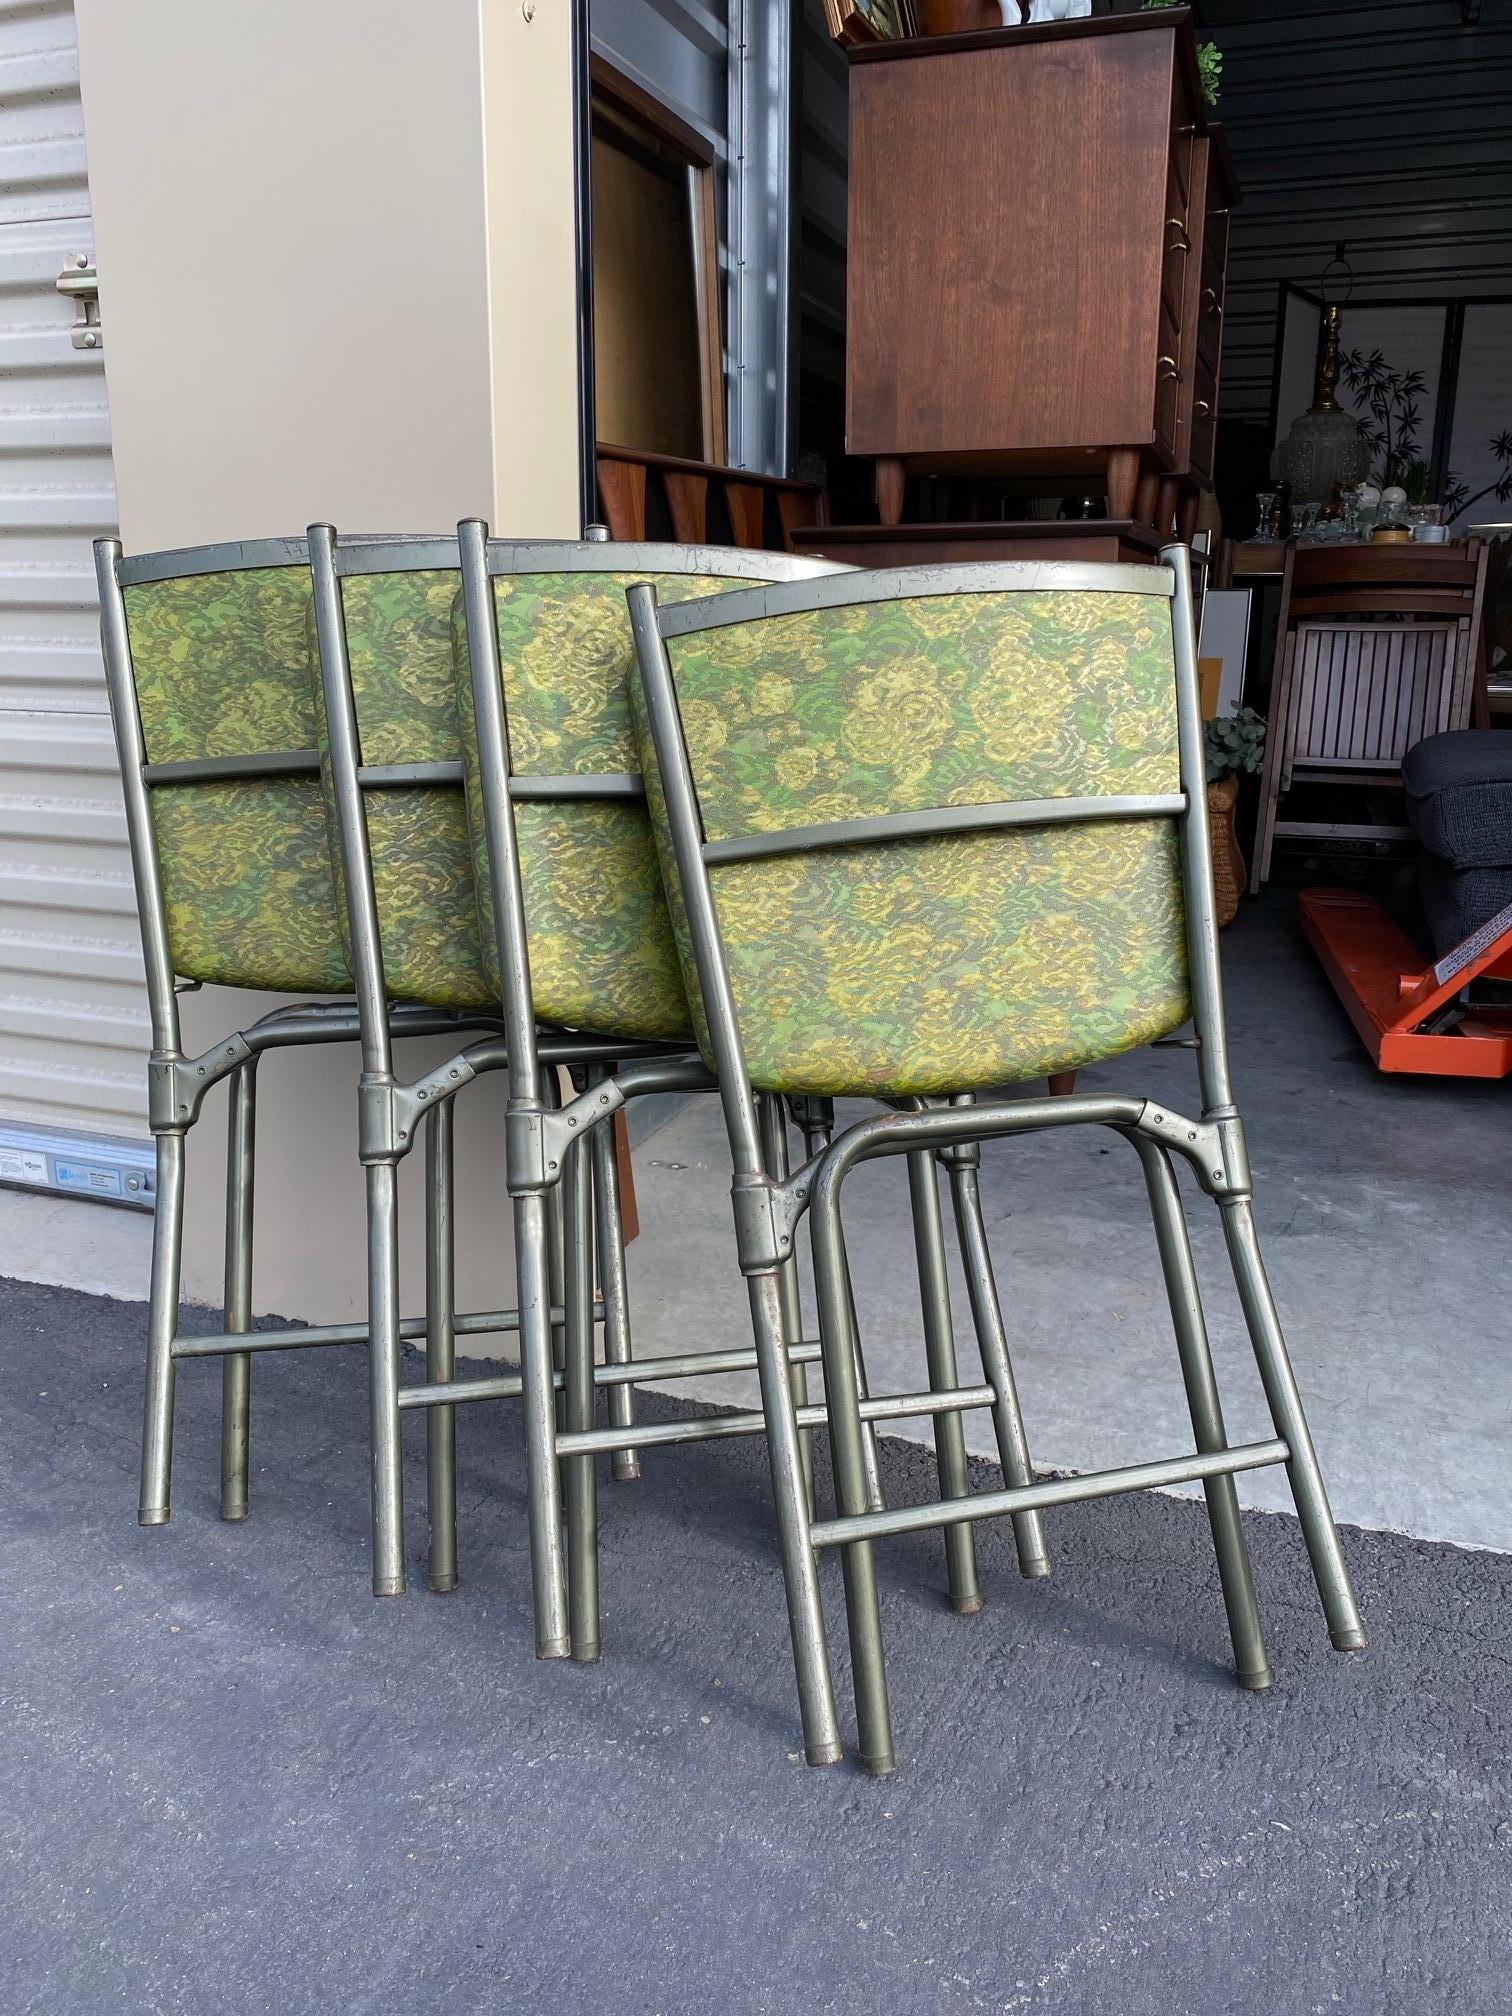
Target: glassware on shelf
{"x":1267,"y":514}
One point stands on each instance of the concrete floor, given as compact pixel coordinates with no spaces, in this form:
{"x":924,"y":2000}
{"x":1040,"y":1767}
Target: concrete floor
{"x":232,"y":1782}
{"x":1383,"y":1205}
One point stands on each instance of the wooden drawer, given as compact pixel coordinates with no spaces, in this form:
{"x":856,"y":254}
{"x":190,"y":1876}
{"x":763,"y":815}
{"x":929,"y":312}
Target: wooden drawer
{"x":1204,"y":425}
{"x":1169,"y":379}
{"x":1209,"y":326}
{"x":1175,"y":271}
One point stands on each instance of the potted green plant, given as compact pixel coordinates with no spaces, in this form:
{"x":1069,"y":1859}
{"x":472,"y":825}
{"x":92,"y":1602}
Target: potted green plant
{"x":1234,"y":746}
{"x":1209,"y":58}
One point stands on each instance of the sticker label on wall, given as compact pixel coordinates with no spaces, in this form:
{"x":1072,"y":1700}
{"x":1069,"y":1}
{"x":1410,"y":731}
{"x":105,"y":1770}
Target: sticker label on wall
{"x":22,"y":1165}
{"x":86,"y":1176}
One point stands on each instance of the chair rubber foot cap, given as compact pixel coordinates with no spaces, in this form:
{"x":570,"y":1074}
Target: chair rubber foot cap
{"x":235,"y":1515}
{"x":443,"y":1587}
{"x":587,"y":1655}
{"x":395,"y":1587}
{"x":628,"y":1473}
{"x":1034,"y":1571}
{"x":153,"y":1515}
{"x":555,"y":1648}
{"x":879,"y":1767}
{"x":967,"y":1606}
{"x":820,"y":1754}
{"x":1347,"y":1641}
{"x":1257,"y":1682}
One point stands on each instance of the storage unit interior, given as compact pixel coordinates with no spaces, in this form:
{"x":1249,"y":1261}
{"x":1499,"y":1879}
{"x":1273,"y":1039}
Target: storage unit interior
{"x":1207,"y":244}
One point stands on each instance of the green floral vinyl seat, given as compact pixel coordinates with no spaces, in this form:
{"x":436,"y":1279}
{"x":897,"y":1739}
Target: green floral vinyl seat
{"x":221,"y":667}
{"x":948,"y":963}
{"x":602,"y":955}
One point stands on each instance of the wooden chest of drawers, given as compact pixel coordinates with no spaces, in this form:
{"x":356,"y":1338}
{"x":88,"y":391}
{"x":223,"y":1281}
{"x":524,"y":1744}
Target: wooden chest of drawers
{"x":1037,"y":233}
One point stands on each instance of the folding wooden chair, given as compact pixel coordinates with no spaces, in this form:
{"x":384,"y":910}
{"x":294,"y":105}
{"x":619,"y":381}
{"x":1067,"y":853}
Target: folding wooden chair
{"x":1376,"y":649}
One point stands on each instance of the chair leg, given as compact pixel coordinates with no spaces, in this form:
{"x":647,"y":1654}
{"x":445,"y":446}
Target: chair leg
{"x":383,"y":1378}
{"x":870,"y":1468}
{"x":1285,"y":1403}
{"x":440,"y":1348}
{"x":579,"y":1474}
{"x":556,"y":1261}
{"x":818,"y":1124}
{"x":236,"y":1366}
{"x":162,"y":1324}
{"x":800,"y":1569}
{"x":847,"y":1443}
{"x":543,"y":1494}
{"x":944,"y":1376}
{"x":609,"y":1230}
{"x":1250,"y":1661}
{"x":992,"y":1341}
{"x":772,"y":1119}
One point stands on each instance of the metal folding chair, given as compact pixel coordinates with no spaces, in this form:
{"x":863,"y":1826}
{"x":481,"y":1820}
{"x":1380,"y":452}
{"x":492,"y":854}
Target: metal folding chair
{"x":386,"y":722}
{"x":208,"y":666}
{"x":969,"y":847}
{"x":558,"y":821}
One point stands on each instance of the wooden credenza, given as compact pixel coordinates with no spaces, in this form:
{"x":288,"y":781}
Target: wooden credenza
{"x":1038,"y":229}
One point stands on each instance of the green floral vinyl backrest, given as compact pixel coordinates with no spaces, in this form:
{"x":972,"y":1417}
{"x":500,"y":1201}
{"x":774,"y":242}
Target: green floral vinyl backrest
{"x":222,"y":668}
{"x":399,"y":647}
{"x":953,"y":963}
{"x":602,"y":956}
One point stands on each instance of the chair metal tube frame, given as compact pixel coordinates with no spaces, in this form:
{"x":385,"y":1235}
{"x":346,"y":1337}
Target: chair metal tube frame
{"x":609,"y":1246}
{"x":236,"y":1366}
{"x":944,"y":1376}
{"x":992,"y":1343}
{"x":390,"y":1113}
{"x":177,"y":1085}
{"x":532,"y":1174}
{"x":1214,"y":1146}
{"x":440,"y":1347}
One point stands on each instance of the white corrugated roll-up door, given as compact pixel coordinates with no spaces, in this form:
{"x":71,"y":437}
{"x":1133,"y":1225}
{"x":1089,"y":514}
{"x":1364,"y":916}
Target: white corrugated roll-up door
{"x":73,"y":1016}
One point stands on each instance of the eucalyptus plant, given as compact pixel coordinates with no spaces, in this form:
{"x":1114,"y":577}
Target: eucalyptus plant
{"x":1234,"y":744}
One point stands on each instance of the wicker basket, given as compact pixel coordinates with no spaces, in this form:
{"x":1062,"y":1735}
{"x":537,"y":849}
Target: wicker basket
{"x":1229,"y":872}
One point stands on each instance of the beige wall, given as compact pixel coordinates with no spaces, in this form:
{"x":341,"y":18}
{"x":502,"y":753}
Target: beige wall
{"x":335,"y":249}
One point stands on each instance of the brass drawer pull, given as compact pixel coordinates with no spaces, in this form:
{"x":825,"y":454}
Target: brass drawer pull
{"x":1167,"y":367}
{"x":1183,"y":242}
{"x":1211,"y":304}
{"x":1201,"y":408}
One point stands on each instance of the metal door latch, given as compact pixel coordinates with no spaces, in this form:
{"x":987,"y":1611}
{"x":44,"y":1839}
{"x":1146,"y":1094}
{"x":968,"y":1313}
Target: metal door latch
{"x":80,"y":283}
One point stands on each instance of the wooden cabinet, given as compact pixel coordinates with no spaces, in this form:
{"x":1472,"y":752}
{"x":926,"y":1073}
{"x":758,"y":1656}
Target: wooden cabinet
{"x":1203,"y":305}
{"x":1037,"y":233}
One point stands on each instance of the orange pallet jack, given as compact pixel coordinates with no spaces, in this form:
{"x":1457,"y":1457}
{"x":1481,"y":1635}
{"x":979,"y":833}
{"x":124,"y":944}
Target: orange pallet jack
{"x":1409,"y":1016}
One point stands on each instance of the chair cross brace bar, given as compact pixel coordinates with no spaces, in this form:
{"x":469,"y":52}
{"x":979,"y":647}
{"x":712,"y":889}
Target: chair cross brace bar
{"x":623,"y":784}
{"x":1053,"y":1491}
{"x":634,"y":1372}
{"x":404,"y":776}
{"x":942,"y":819}
{"x":234,"y":769}
{"x":479,"y":1323}
{"x":714,"y":1427}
